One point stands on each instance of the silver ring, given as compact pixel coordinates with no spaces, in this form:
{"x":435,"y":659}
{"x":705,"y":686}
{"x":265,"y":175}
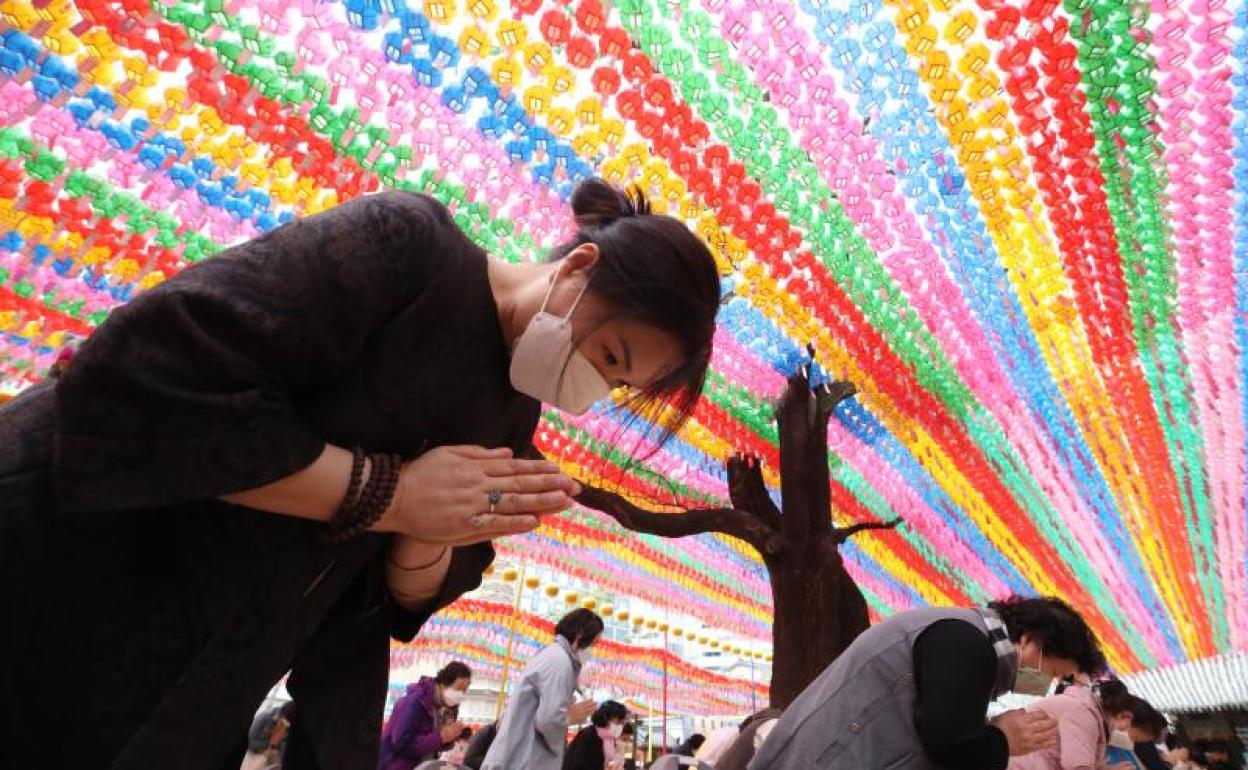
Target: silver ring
{"x":495,"y":496}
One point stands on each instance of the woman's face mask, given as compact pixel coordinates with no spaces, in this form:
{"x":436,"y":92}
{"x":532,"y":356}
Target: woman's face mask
{"x":546,"y":365}
{"x":453,"y":697}
{"x":1032,"y":681}
{"x":616,"y":729}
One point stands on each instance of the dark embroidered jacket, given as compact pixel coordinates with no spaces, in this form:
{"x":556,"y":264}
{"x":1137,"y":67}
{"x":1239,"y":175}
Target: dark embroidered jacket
{"x":143,"y":619}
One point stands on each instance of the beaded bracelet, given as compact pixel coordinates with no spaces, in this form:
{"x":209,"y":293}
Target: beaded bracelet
{"x":356,"y":515}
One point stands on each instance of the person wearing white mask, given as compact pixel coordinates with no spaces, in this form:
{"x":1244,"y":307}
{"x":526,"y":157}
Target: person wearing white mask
{"x":912,"y":691}
{"x":295,"y":449}
{"x":425,"y":721}
{"x":532,"y":734}
{"x":596,"y":746}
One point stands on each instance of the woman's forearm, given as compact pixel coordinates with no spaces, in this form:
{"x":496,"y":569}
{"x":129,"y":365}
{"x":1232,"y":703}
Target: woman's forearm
{"x":415,"y":570}
{"x":314,"y":492}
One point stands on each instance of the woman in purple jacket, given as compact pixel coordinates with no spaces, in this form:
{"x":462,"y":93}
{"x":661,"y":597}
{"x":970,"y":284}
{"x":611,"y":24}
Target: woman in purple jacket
{"x":425,"y":721}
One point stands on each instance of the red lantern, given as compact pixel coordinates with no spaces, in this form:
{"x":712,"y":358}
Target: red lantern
{"x":630,"y":105}
{"x":606,"y":81}
{"x":555,"y":27}
{"x":614,"y":43}
{"x":637,"y":66}
{"x":590,"y":16}
{"x":580,"y":52}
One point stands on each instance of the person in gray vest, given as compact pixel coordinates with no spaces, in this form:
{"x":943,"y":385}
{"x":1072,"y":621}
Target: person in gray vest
{"x":912,"y":692}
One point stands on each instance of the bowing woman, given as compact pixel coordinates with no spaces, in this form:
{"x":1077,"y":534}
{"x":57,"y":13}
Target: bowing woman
{"x":293,"y":451}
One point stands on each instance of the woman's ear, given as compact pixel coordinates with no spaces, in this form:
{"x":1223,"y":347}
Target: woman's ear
{"x":581,"y":259}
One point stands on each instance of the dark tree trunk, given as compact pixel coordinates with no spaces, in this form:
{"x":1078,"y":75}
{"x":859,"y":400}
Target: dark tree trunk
{"x":818,"y":607}
{"x":818,"y":612}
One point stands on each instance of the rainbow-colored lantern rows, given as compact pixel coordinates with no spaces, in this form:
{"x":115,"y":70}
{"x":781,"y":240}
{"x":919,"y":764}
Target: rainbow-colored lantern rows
{"x":1018,"y":227}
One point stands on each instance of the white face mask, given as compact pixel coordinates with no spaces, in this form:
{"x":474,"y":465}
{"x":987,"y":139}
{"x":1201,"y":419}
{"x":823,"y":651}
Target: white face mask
{"x":453,"y":697}
{"x":1032,"y":681}
{"x":546,"y":365}
{"x":584,"y":655}
{"x":616,"y":730}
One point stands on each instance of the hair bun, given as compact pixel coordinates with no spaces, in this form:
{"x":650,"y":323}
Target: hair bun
{"x":597,"y":203}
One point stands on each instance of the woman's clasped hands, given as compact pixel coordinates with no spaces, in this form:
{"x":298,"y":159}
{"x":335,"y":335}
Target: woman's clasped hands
{"x":459,"y":495}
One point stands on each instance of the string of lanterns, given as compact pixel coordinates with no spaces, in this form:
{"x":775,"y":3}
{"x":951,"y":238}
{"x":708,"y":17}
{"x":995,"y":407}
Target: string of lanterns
{"x":1015,"y":229}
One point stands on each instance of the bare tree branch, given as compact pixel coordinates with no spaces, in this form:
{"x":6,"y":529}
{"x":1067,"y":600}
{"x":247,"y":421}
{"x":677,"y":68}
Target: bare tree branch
{"x":730,"y":521}
{"x":748,"y":492}
{"x":832,"y":393}
{"x":841,"y":534}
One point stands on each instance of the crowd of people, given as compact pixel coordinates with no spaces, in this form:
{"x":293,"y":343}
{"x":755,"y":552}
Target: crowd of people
{"x":912,"y":692}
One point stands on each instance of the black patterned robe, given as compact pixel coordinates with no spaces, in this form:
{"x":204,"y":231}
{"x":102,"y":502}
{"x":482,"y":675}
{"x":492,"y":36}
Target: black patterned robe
{"x":143,"y":618}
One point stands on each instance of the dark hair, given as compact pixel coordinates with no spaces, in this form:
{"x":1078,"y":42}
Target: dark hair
{"x":653,"y":269}
{"x":465,"y":733}
{"x":1055,"y":626}
{"x":580,"y":625}
{"x":696,"y":740}
{"x":1145,"y":717}
{"x":629,"y":729}
{"x":1114,"y":696}
{"x":453,"y":672}
{"x":608,"y":711}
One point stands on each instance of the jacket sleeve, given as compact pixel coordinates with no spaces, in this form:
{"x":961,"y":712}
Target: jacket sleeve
{"x":468,"y":564}
{"x":551,"y":721}
{"x":188,"y":392}
{"x":954,"y":672}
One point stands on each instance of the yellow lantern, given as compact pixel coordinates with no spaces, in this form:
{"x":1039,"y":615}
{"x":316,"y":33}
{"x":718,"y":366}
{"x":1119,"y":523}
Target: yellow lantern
{"x":483,"y":9}
{"x":590,"y":604}
{"x":663,"y":627}
{"x":552,"y":591}
{"x":572,"y":597}
{"x":606,"y":611}
{"x":531,"y":582}
{"x":506,"y":72}
{"x":623,"y":616}
{"x":440,"y":10}
{"x":652,"y":624}
{"x":537,"y":99}
{"x":474,"y":41}
{"x":512,"y":34}
{"x":639,"y":622}
{"x":510,"y":575}
{"x":538,"y":56}
{"x":714,"y":644}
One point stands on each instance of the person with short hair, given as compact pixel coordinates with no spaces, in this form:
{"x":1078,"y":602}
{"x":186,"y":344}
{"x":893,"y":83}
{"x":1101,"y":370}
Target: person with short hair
{"x":479,"y":746}
{"x":1139,"y":726}
{"x":1219,"y":756}
{"x":532,"y":735}
{"x":912,"y":691}
{"x":596,"y":746}
{"x":425,"y":721}
{"x":689,"y":748}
